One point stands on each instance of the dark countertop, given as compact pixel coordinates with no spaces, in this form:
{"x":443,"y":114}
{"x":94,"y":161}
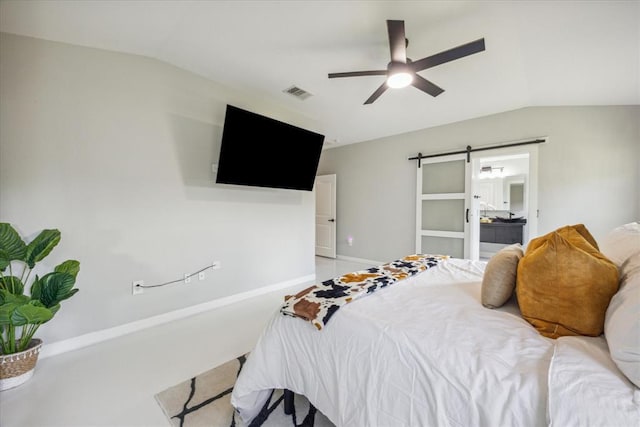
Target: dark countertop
{"x":503,"y":224}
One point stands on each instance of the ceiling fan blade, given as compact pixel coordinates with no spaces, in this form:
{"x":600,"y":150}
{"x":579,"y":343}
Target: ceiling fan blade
{"x":449,"y":55}
{"x":426,"y":86}
{"x":359,"y":73}
{"x":397,"y":41}
{"x":376,"y":94}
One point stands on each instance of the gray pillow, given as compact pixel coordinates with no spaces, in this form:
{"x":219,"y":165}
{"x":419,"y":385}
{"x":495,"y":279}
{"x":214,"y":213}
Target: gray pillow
{"x":499,"y":278}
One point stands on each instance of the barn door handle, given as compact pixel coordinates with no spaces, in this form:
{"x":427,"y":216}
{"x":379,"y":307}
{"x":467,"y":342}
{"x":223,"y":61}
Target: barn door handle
{"x":467,"y":215}
{"x":332,"y":220}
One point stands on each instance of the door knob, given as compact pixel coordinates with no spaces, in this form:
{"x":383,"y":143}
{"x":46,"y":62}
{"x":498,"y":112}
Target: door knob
{"x":332,"y":220}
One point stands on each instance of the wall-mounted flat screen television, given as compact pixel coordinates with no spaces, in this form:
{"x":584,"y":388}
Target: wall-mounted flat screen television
{"x":263,"y":152}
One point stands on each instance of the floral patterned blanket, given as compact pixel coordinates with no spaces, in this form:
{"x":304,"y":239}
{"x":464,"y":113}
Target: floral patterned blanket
{"x":318,"y":303}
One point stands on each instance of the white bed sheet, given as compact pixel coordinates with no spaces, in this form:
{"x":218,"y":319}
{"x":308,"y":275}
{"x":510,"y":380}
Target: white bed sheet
{"x":423,"y":352}
{"x":586,"y":388}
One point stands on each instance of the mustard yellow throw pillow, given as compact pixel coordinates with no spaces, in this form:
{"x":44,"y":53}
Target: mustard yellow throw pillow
{"x":564,"y":284}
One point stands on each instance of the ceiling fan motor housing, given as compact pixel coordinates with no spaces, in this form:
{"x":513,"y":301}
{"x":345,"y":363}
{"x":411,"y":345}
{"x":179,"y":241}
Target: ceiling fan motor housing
{"x":399,"y":67}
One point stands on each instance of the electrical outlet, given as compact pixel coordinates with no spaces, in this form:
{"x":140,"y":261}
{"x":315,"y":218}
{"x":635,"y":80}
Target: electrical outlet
{"x":136,"y":288}
{"x":216,"y":265}
{"x":201,"y":275}
{"x":187,"y":278}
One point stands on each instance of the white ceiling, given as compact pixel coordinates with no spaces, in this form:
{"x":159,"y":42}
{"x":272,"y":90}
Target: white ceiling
{"x":537,"y":53}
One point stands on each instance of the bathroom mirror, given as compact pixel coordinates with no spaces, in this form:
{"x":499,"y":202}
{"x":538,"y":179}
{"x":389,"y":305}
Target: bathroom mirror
{"x":514,"y":193}
{"x":502,"y":194}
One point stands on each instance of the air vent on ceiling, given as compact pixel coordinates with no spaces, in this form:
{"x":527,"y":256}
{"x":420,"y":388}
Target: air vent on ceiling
{"x":297,"y":92}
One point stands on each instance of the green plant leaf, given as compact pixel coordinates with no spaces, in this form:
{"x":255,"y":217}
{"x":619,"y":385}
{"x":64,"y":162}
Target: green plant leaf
{"x":12,"y":284}
{"x":7,"y":297}
{"x":53,"y":288}
{"x":54,"y":309}
{"x":41,"y":246}
{"x":12,"y":248}
{"x":71,"y":267}
{"x":6,"y":311}
{"x":36,"y":288}
{"x":33,"y":313}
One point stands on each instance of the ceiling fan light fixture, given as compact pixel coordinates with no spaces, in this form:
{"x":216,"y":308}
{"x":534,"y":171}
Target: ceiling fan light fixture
{"x":402,"y":71}
{"x":399,"y":75}
{"x":399,"y":80}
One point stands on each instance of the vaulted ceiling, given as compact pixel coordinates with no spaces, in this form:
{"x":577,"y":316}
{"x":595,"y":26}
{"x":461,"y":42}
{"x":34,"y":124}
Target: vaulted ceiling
{"x":537,"y":52}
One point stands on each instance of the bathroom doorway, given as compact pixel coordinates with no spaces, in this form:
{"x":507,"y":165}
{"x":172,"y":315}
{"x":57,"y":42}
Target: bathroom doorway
{"x":504,"y":198}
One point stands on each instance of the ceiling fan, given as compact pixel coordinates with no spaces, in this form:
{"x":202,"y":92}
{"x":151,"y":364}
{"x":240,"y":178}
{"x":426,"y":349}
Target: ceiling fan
{"x":402,"y":71}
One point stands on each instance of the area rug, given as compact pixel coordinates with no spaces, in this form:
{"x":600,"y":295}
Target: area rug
{"x":205,"y":400}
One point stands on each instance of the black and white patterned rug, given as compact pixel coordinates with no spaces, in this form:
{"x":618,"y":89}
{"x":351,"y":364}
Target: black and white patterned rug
{"x":205,"y":400}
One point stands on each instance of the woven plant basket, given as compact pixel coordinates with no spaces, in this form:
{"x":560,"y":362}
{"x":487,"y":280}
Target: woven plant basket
{"x":17,"y":368}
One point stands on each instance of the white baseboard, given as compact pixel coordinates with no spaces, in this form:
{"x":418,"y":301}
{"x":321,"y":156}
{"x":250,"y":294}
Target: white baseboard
{"x":360,"y":260}
{"x":59,"y":347}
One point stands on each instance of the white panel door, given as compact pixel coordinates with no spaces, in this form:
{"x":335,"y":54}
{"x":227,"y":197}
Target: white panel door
{"x":442,"y":206}
{"x":325,"y":189}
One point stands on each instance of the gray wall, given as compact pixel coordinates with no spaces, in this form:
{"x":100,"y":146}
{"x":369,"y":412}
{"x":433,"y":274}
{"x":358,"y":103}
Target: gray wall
{"x":588,"y":173}
{"x":115,"y":150}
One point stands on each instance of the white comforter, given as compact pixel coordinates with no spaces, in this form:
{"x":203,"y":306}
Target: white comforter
{"x":587,"y":389}
{"x":423,"y":352}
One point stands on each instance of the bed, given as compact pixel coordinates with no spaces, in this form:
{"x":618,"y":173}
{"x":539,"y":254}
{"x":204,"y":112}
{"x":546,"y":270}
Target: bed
{"x":426,"y":352}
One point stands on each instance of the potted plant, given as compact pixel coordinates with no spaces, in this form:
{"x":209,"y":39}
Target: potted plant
{"x":21,"y":312}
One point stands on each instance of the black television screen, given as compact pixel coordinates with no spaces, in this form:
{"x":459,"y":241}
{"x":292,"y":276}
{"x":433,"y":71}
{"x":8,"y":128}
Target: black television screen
{"x":263,"y":152}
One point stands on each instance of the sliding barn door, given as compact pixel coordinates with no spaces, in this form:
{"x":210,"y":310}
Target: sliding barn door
{"x":442,"y":211}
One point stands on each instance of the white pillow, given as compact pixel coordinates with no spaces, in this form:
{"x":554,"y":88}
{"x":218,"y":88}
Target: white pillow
{"x":621,"y":243}
{"x":622,"y":322}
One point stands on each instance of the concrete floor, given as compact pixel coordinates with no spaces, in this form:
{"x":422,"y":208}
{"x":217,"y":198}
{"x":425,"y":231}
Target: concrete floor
{"x":113,"y":383}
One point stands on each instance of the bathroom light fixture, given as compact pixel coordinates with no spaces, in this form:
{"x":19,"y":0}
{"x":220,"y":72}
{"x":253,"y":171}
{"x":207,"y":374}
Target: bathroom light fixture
{"x":491,"y":172}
